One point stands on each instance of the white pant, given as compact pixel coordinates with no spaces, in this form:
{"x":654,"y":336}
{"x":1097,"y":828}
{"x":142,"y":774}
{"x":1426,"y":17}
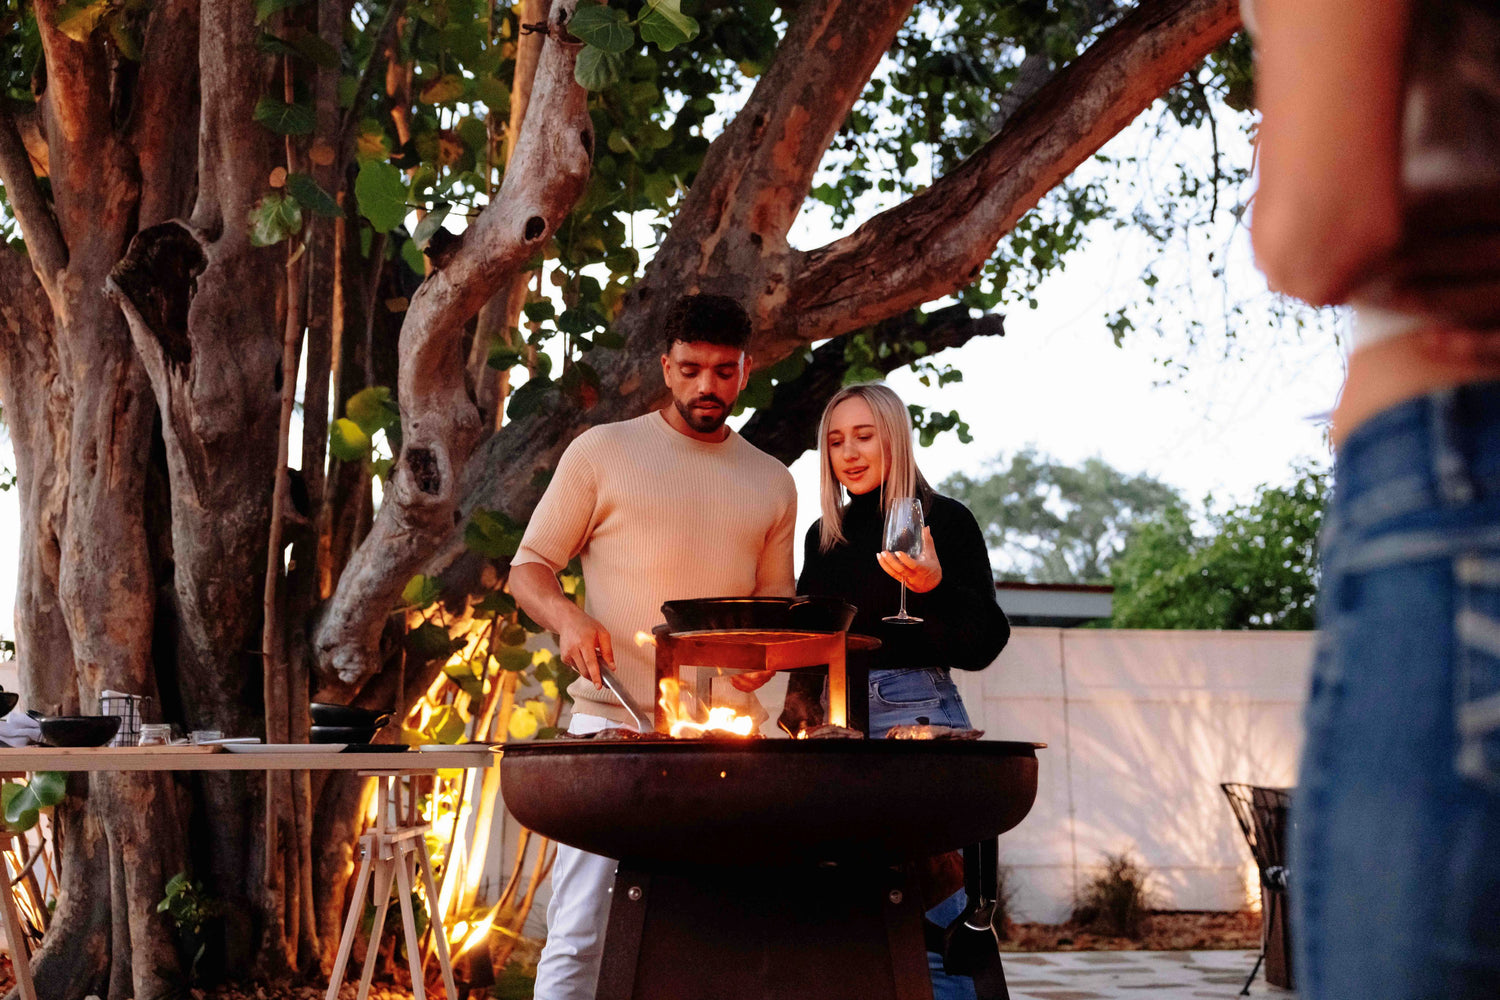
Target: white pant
{"x":576,"y":918}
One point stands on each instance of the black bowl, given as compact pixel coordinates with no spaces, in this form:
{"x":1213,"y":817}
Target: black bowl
{"x":79,"y":730}
{"x":8,"y":701}
{"x":325,"y":714}
{"x":343,"y":734}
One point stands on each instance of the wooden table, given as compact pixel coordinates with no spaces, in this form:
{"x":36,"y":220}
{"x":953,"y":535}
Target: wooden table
{"x":389,"y":849}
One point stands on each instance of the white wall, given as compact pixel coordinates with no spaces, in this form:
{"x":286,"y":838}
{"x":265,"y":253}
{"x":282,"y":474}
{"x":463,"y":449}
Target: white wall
{"x":1141,"y":727}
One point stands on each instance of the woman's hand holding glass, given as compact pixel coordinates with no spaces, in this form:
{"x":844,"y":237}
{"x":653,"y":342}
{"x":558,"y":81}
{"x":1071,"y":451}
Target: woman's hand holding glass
{"x":920,"y":573}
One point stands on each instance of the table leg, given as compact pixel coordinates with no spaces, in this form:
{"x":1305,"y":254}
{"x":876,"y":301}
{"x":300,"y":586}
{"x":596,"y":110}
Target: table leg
{"x":409,"y":924}
{"x":20,"y":960}
{"x":385,"y":870}
{"x":434,"y":919}
{"x":838,"y":688}
{"x":351,"y":924}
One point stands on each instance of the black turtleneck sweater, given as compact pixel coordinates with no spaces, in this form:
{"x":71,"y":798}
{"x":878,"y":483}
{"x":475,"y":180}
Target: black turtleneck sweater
{"x":962,"y":626}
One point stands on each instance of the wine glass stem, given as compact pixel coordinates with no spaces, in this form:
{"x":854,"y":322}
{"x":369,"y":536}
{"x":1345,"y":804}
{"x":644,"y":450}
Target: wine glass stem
{"x":903,"y":599}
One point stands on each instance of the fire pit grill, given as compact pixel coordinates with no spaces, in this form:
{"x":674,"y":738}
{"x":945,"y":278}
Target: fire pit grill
{"x":771,"y":802}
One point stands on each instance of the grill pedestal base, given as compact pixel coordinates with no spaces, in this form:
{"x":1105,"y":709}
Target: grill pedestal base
{"x":831,"y":932}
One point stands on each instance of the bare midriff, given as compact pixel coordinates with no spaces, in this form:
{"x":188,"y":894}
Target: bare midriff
{"x":1392,"y":371}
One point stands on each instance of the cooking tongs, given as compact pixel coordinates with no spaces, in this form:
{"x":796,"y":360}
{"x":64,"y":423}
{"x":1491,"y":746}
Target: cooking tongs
{"x":644,"y":720}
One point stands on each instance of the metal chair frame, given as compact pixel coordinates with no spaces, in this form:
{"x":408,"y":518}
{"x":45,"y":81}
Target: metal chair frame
{"x":1261,"y":814}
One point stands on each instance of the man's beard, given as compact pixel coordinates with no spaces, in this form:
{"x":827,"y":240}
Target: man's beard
{"x":703,"y":423}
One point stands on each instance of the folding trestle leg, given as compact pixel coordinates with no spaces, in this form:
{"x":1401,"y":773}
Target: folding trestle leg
{"x":393,"y":855}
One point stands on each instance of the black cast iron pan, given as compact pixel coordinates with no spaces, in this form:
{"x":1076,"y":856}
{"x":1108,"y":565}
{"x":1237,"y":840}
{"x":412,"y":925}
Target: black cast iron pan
{"x":769,"y":802}
{"x":784,"y":614}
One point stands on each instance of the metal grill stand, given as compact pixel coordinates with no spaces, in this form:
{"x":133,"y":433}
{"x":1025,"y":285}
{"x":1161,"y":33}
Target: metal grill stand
{"x":737,"y":651}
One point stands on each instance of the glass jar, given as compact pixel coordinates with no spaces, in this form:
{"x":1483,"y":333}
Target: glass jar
{"x":198,"y":736}
{"x":155,"y":734}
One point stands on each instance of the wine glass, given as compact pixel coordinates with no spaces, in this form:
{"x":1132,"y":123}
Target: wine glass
{"x":903,"y":533}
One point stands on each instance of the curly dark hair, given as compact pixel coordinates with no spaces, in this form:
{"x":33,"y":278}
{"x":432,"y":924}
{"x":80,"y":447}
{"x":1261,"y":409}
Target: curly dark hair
{"x":712,"y":319}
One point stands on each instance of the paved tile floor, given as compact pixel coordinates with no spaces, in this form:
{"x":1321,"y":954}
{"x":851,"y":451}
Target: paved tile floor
{"x":1139,"y":975}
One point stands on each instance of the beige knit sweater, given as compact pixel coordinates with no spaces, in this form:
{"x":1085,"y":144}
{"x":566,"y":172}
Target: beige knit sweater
{"x":660,"y":516}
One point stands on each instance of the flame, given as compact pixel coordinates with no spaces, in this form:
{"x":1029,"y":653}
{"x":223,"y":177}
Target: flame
{"x":643,"y":639}
{"x":464,"y":935}
{"x":721,"y":719}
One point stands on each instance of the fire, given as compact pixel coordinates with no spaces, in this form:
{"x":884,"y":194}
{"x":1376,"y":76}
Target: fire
{"x":644,"y":639}
{"x":721,"y":719}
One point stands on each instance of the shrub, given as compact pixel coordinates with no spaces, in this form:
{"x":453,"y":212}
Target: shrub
{"x":1116,"y":899}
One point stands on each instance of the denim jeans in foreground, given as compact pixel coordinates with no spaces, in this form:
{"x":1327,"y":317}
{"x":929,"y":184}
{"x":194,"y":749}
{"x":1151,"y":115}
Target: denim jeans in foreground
{"x":1395,"y":880}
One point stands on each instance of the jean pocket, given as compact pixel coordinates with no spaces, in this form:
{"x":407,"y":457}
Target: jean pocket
{"x":1476,"y":701}
{"x":908,"y":689}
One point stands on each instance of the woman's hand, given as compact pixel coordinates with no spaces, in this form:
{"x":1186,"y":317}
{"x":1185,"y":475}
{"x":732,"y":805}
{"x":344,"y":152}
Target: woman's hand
{"x":920,"y":574}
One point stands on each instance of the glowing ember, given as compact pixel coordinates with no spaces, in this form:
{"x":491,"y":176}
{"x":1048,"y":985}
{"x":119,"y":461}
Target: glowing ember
{"x":681,"y":723}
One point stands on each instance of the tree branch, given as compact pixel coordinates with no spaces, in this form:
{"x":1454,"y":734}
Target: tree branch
{"x":758,"y":173}
{"x":789,"y":426}
{"x":439,"y":421}
{"x":235,"y":153}
{"x":164,"y":118}
{"x":44,"y":242}
{"x":937,"y":242}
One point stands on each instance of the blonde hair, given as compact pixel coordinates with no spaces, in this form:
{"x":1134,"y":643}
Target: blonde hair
{"x":902,"y":477}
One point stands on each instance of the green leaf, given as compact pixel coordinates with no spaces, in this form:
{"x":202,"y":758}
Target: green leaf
{"x":306,"y":190}
{"x":596,"y":69}
{"x":449,"y":87}
{"x":373,"y":409}
{"x":496,"y":602}
{"x":525,"y":400}
{"x":431,"y":223}
{"x":513,"y":659}
{"x":493,"y":94}
{"x":274,"y":218}
{"x":283,"y":118}
{"x":446,"y":725}
{"x":462,"y":673}
{"x":420,"y":591}
{"x":381,"y":192}
{"x":671,"y":11}
{"x":78,"y":18}
{"x":605,"y":28}
{"x":492,"y":534}
{"x":429,"y":642}
{"x":503,"y":357}
{"x":412,"y":255}
{"x":666,"y":31}
{"x":316,"y":51}
{"x":539,"y":311}
{"x":265,"y":8}
{"x":23,"y":803}
{"x":347,"y":441}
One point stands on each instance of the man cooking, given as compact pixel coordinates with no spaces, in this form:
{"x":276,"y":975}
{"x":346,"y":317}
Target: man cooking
{"x":669,"y":505}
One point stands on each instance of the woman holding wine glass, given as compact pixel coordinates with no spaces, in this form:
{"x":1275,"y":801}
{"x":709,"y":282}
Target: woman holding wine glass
{"x":914,"y":564}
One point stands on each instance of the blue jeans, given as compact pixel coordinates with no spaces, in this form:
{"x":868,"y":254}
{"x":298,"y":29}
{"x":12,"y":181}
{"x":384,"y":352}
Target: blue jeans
{"x":901,"y":698}
{"x":1395,"y":881}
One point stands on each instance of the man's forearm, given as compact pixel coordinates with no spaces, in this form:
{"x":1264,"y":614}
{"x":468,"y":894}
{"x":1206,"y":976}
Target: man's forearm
{"x":537,"y":591}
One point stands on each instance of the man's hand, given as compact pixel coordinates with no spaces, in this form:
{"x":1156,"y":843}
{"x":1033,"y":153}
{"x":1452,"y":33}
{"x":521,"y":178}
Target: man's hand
{"x":920,"y":574}
{"x":751,"y":680}
{"x":585,"y":646}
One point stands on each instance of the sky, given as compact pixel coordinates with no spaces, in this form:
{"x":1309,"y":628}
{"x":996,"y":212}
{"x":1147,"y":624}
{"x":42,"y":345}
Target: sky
{"x":1240,"y":415}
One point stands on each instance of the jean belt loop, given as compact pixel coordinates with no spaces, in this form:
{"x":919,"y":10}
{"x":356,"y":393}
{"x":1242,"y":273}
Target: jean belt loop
{"x":1450,"y":465}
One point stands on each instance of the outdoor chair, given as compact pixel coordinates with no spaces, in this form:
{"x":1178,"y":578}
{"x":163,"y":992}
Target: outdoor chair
{"x":1262,"y":816}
